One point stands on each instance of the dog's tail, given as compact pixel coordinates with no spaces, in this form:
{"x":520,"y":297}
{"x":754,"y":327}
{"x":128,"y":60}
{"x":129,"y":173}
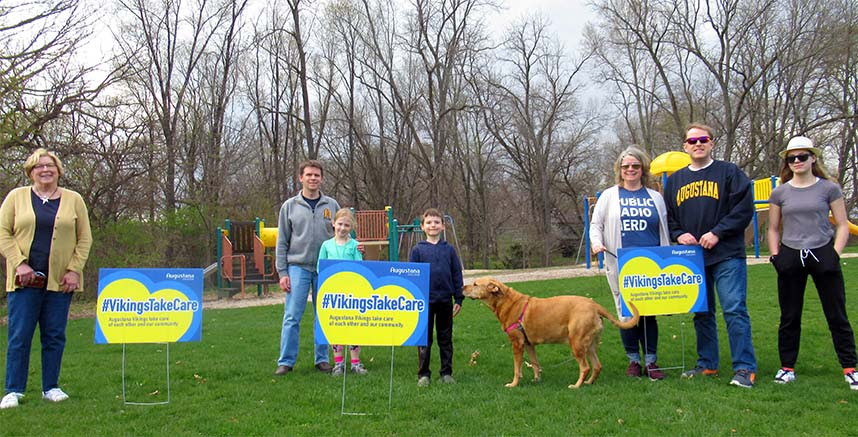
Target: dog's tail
{"x":628,"y":324}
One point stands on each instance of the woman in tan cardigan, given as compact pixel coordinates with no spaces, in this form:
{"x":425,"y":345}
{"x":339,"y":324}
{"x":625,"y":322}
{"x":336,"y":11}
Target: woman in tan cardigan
{"x":45,"y":238}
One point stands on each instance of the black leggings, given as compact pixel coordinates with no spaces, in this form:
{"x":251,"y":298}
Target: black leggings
{"x":823,"y":265}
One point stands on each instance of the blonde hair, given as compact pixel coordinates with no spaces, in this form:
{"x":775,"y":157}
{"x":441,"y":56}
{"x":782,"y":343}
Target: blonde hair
{"x":33,"y":160}
{"x":347,"y":213}
{"x":637,"y":153}
{"x":701,"y":126}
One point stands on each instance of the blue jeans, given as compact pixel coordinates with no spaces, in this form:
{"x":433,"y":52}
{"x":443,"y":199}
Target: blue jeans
{"x":302,"y":281}
{"x":644,"y":337}
{"x":27,"y":307}
{"x":730,"y":279}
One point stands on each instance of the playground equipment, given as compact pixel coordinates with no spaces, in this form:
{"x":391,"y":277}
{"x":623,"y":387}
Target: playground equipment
{"x":665,"y":164}
{"x":245,"y":249}
{"x":242,"y":258}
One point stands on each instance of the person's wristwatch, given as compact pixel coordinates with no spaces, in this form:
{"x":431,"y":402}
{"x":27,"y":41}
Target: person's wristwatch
{"x":772,"y":258}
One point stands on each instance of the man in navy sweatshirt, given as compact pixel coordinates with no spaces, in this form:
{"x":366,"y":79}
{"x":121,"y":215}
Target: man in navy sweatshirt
{"x":445,"y":294}
{"x":710,"y":203}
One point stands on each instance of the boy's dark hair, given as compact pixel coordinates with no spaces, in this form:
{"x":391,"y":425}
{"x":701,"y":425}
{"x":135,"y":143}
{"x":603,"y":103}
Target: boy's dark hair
{"x":432,"y":212}
{"x":311,"y":163}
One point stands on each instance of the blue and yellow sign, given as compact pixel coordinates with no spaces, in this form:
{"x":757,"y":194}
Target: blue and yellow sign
{"x":372,"y":303}
{"x":663,"y":280}
{"x":149,"y":305}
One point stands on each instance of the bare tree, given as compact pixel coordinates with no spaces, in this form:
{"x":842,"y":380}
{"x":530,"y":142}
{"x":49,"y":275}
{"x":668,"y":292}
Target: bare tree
{"x":272,"y":91}
{"x":532,"y":115}
{"x":300,"y":45}
{"x":164,"y":45}
{"x":440,"y":35}
{"x":42,"y":74}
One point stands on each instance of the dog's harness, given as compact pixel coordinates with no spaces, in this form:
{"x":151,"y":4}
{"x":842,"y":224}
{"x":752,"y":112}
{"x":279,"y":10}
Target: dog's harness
{"x":518,"y":323}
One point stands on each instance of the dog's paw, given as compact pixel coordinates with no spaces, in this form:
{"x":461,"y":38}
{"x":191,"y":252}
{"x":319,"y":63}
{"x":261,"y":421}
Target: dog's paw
{"x":511,"y":384}
{"x":573,"y":386}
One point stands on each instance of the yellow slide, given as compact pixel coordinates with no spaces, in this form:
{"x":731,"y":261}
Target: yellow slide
{"x":853,"y":228}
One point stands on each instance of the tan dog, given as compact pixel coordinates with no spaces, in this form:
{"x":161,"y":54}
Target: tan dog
{"x":529,"y":321}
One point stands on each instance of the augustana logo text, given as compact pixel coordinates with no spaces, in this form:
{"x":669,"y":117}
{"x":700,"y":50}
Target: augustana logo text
{"x":404,"y":271}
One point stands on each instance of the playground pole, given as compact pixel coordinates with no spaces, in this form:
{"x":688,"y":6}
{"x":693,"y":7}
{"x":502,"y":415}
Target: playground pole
{"x":756,"y":223}
{"x":394,"y":241}
{"x":219,"y":242}
{"x":257,"y":228}
{"x":391,"y":234}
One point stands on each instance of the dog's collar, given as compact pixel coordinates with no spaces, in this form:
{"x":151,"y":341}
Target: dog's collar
{"x":517,"y":324}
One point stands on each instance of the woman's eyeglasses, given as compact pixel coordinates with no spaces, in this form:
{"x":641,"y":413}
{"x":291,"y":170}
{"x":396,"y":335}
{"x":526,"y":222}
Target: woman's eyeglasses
{"x":693,"y":140}
{"x":630,"y":166}
{"x":800,"y":158}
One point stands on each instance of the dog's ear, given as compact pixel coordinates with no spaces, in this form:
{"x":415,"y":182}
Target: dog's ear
{"x":495,"y":288}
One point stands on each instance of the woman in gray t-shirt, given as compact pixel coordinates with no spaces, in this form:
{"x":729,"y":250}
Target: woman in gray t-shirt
{"x":809,"y":245}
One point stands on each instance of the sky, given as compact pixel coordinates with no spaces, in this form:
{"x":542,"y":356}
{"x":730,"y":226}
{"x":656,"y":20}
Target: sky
{"x":567,"y":17}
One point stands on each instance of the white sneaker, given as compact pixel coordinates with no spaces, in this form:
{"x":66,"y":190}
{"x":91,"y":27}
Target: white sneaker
{"x":784,"y":376}
{"x":851,"y":379}
{"x":55,"y":395}
{"x":10,"y":400}
{"x":359,"y":369}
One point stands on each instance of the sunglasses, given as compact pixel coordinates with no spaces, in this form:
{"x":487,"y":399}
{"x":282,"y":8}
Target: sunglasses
{"x":630,"y":166}
{"x":693,"y":140}
{"x":800,"y":158}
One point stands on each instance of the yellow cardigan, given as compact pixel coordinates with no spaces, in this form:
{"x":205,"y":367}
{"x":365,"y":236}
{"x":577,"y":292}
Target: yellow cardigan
{"x":69,"y":247}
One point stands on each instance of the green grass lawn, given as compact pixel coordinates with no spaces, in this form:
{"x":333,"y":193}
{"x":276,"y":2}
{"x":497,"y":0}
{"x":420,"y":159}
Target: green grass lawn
{"x":224,"y":385}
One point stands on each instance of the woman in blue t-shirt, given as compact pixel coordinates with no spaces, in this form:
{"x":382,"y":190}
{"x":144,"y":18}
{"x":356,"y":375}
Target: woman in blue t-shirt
{"x":630,"y":214}
{"x":809,"y":245}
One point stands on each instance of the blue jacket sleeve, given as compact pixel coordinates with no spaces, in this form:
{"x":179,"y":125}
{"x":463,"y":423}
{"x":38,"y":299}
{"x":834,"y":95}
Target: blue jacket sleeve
{"x":456,"y":274}
{"x":740,"y":207}
{"x":673,"y":226}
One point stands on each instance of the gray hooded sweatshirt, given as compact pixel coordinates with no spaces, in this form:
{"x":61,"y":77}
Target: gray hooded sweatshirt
{"x":302,"y":230}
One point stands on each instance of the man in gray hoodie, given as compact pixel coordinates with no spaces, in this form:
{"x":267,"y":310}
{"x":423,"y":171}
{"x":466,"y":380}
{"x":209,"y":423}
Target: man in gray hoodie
{"x":306,"y":221}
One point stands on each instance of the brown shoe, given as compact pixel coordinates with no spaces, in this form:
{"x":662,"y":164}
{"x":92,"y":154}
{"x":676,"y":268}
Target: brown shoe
{"x":654,"y":372}
{"x":282,"y":370}
{"x":324,"y":367}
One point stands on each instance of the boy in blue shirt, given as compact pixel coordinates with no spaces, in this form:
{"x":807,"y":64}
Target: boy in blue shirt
{"x":445,"y":294}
